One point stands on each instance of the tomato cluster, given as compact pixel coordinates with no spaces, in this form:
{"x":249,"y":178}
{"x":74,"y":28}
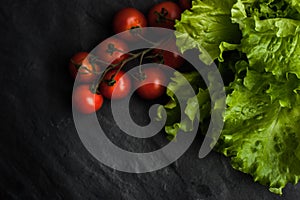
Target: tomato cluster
{"x":113,"y":52}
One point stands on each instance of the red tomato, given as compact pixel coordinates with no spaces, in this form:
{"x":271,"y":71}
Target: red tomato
{"x":85,"y":101}
{"x":172,"y":57}
{"x":117,"y":90}
{"x":81,"y":66}
{"x":164,"y":14}
{"x":151,"y":87}
{"x":112,"y":51}
{"x":185,"y":4}
{"x":128,"y":19}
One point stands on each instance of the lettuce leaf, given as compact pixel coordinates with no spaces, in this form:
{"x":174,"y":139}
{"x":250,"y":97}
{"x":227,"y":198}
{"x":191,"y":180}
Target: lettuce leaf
{"x":261,"y":132}
{"x":209,"y":24}
{"x":195,"y":99}
{"x":269,"y":43}
{"x":256,"y":43}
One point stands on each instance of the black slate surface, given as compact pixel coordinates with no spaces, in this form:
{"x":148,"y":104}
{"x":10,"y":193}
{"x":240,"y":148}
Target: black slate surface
{"x":41,"y":156}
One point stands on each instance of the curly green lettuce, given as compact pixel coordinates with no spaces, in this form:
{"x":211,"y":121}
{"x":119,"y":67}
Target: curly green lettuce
{"x":271,"y":35}
{"x":209,"y":24}
{"x":257,"y":44}
{"x":177,"y":85}
{"x":261,"y":132}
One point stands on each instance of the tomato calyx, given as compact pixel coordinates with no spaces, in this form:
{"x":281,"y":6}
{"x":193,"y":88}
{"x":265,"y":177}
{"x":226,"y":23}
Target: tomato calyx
{"x":164,"y":15}
{"x":111,"y":49}
{"x":161,"y":17}
{"x":140,"y":76}
{"x":121,"y":85}
{"x":128,"y":19}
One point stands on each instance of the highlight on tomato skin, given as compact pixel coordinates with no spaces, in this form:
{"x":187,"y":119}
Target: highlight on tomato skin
{"x":81,"y":67}
{"x":115,"y":85}
{"x":85,"y":101}
{"x":129,"y":19}
{"x":151,"y":83}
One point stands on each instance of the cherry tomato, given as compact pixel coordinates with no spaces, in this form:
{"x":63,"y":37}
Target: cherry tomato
{"x":185,"y":4}
{"x":172,"y":57}
{"x":85,"y":101}
{"x":163,"y":15}
{"x":115,"y":86}
{"x":151,"y":84}
{"x":112,"y":51}
{"x":81,"y":66}
{"x":128,"y":19}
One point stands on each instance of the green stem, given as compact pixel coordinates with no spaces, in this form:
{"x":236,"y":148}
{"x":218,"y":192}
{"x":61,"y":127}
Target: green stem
{"x":122,"y":63}
{"x":146,"y":40}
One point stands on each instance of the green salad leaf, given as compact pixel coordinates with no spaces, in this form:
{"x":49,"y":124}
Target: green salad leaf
{"x":261,"y":132}
{"x":196,"y":97}
{"x":208,"y":23}
{"x":269,"y":43}
{"x":256,"y":46}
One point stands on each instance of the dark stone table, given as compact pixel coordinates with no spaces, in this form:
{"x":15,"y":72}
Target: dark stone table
{"x":41,"y":155}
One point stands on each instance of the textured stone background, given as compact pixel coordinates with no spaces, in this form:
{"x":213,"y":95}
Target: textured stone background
{"x":41,"y":156}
